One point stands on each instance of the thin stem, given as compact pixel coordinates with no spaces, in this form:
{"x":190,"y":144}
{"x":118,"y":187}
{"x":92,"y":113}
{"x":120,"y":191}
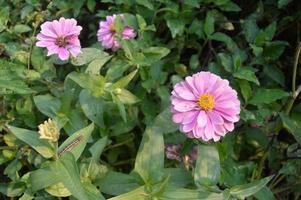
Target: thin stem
{"x":295,"y":67}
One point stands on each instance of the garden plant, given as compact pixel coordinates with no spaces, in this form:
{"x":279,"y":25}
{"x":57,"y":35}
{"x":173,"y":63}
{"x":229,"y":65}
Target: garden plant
{"x":150,"y":99}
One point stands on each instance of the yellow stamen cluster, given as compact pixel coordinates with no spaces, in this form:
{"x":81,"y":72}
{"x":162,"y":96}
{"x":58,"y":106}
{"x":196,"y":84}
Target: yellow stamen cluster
{"x":112,"y":27}
{"x":49,"y":131}
{"x":206,"y":101}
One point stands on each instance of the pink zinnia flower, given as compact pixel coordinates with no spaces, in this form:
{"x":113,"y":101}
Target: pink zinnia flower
{"x":107,"y":33}
{"x":60,"y":37}
{"x":205,"y":106}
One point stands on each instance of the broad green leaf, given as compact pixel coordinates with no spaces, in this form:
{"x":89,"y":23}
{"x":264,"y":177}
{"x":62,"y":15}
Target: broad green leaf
{"x":95,"y":66}
{"x":116,"y":183}
{"x":156,"y":52}
{"x":283,"y":3}
{"x":222,"y":37}
{"x":120,"y":106}
{"x":94,"y":83}
{"x":176,"y":193}
{"x":246,"y":190}
{"x":265,"y":194}
{"x":209,"y":24}
{"x":92,"y":192}
{"x":141,"y":22}
{"x":150,"y":161}
{"x":245,"y":89}
{"x":230,"y":7}
{"x":123,"y":82}
{"x":163,"y":122}
{"x":32,"y":139}
{"x":21,"y":28}
{"x":176,"y":26}
{"x":274,"y":50}
{"x":250,"y":28}
{"x":146,"y":3}
{"x":226,"y":61}
{"x":207,"y":170}
{"x":246,"y":74}
{"x":87,"y":55}
{"x":179,"y":177}
{"x":137,"y":194}
{"x":126,"y":97}
{"x":69,"y":175}
{"x":47,"y":104}
{"x":76,"y":143}
{"x":93,"y":107}
{"x":58,"y":190}
{"x":275,"y":73}
{"x":97,"y":148}
{"x":265,"y":96}
{"x":292,"y":126}
{"x":270,"y":31}
{"x":17,"y":86}
{"x":45,"y":176}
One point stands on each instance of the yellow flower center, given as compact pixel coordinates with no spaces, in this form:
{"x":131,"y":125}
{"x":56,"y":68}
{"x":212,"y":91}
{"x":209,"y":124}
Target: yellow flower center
{"x":206,"y":101}
{"x":112,"y":27}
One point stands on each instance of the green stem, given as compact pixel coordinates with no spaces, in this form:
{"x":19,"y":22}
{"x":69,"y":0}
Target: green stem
{"x":295,"y":67}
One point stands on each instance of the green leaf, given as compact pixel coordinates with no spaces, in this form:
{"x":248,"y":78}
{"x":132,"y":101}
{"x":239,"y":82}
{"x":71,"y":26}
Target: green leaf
{"x":246,"y":74}
{"x":283,"y":3}
{"x":146,"y":3}
{"x":21,"y":28}
{"x":32,"y":139}
{"x":274,"y":50}
{"x":17,"y":86}
{"x":265,"y":96}
{"x":126,"y":97}
{"x":93,"y":107}
{"x":123,"y":82}
{"x":275,"y":73}
{"x":270,"y":31}
{"x":95,"y":66}
{"x":230,"y":7}
{"x":179,"y":177}
{"x":120,"y":106}
{"x":45,"y":176}
{"x":292,"y":126}
{"x":47,"y":104}
{"x":150,"y":161}
{"x":176,"y":193}
{"x":265,"y":194}
{"x":76,"y":143}
{"x":209,"y":24}
{"x":97,"y":148}
{"x":222,"y":37}
{"x":94,"y":83}
{"x":245,"y":89}
{"x":176,"y":26}
{"x":89,"y":54}
{"x":69,"y":175}
{"x":156,"y":52}
{"x":137,"y":194}
{"x":116,"y":183}
{"x":207,"y":170}
{"x":246,"y":190}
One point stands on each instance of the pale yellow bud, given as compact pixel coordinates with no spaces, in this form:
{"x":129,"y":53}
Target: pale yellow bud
{"x":49,"y":131}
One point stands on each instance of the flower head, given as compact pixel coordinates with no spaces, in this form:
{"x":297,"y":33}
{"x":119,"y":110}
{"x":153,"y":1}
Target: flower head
{"x":60,"y":37}
{"x":107,"y":33}
{"x":205,"y":106}
{"x":49,"y":131}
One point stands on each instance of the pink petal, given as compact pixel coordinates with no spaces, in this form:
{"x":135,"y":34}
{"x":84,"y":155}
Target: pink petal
{"x":63,"y":54}
{"x":202,"y":119}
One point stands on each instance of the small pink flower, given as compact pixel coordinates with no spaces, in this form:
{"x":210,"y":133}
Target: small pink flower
{"x":107,"y":33}
{"x":205,"y":106}
{"x":60,"y":37}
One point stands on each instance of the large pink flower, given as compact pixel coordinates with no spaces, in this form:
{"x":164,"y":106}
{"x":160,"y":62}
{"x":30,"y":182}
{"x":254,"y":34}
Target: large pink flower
{"x":60,"y":37}
{"x":205,"y":106}
{"x":107,"y":33}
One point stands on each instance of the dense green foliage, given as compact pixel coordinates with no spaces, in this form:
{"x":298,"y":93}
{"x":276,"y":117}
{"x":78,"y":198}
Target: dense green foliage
{"x":113,"y":107}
